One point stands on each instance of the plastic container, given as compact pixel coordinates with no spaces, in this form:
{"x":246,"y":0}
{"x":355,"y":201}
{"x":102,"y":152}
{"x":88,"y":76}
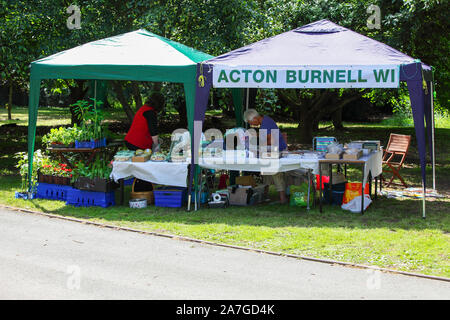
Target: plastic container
{"x":138,"y":203}
{"x":171,"y":197}
{"x":337,"y":193}
{"x":53,"y":191}
{"x":90,"y":144}
{"x":80,"y":198}
{"x":24,"y":195}
{"x":203,"y":197}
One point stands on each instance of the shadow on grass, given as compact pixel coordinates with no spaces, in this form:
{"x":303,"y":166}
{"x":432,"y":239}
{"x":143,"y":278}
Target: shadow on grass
{"x":392,"y":214}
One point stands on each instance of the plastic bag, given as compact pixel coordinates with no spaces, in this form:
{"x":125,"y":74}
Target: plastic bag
{"x":335,"y":148}
{"x":299,"y":195}
{"x":352,"y":190}
{"x":355,"y":204}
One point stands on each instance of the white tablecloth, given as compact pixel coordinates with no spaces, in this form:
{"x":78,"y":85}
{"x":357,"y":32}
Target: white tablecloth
{"x":372,"y":164}
{"x":165,"y":173}
{"x":265,"y":166}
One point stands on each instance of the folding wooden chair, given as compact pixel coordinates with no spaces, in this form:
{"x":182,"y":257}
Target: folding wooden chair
{"x":398,"y":145}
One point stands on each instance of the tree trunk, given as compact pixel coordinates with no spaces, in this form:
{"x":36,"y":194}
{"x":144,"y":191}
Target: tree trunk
{"x":10,"y":100}
{"x":136,"y":94}
{"x":118,"y":89}
{"x":337,"y":119}
{"x":183,"y":123}
{"x":305,"y":128}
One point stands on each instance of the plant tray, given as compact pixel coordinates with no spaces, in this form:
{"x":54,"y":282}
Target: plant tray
{"x":97,"y":184}
{"x":53,"y":191}
{"x":172,"y":197}
{"x":65,"y":181}
{"x":90,"y":144}
{"x":81,"y":198}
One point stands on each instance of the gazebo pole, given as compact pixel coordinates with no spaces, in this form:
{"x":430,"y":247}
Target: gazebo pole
{"x":432,"y":135}
{"x":423,"y":200}
{"x":246,"y":105}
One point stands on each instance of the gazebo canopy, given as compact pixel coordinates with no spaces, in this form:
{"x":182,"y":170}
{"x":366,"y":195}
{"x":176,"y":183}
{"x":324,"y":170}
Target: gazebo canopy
{"x":139,"y":55}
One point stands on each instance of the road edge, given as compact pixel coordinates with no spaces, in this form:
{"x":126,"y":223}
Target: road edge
{"x":182,"y":238}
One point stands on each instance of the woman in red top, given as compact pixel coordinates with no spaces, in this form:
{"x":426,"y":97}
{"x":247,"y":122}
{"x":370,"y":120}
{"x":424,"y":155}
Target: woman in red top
{"x":143,"y":133}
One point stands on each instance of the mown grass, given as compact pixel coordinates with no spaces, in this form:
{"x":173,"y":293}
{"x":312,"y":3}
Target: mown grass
{"x":390,"y":234}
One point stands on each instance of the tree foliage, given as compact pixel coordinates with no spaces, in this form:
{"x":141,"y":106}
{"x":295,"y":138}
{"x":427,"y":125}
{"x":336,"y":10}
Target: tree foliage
{"x":33,"y":29}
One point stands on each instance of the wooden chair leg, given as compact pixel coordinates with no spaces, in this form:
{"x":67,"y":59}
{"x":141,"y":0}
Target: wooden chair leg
{"x":397,"y":174}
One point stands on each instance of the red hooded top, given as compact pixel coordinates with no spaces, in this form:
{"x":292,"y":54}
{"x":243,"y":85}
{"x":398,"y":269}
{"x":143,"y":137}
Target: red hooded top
{"x":139,"y":135}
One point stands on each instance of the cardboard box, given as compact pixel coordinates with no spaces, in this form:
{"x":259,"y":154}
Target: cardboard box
{"x":370,"y":144}
{"x":140,"y":158}
{"x":333,"y":156}
{"x":259,"y":194}
{"x":240,"y":196}
{"x":355,"y":156}
{"x":246,"y":181}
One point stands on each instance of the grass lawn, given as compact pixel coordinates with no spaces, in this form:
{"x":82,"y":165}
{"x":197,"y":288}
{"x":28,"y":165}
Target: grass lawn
{"x":390,"y":234}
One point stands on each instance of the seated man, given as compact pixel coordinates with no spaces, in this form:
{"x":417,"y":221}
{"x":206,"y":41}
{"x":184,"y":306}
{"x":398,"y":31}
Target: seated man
{"x":265,"y":122}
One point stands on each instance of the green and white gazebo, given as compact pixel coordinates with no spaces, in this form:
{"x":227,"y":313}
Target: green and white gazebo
{"x":138,"y":56}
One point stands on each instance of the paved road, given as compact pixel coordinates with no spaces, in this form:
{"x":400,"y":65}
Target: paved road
{"x":45,"y":258}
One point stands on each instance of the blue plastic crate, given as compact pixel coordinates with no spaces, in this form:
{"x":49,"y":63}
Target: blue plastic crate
{"x":53,"y":191}
{"x":172,"y":197}
{"x":81,"y":198}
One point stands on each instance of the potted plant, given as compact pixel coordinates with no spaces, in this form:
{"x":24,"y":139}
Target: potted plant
{"x":28,"y":192}
{"x":91,"y":134}
{"x":93,"y":177}
{"x":61,"y":137}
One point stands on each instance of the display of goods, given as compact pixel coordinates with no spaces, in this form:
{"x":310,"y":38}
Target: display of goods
{"x":124,"y":155}
{"x":158,"y":156}
{"x":141,"y":155}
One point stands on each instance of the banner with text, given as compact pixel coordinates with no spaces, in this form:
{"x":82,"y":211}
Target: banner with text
{"x":380,"y":76}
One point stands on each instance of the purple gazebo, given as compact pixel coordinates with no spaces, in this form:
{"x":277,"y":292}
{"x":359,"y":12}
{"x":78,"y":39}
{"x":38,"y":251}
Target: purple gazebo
{"x":321,"y":54}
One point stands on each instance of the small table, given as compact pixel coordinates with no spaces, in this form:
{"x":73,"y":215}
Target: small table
{"x":371,"y":168}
